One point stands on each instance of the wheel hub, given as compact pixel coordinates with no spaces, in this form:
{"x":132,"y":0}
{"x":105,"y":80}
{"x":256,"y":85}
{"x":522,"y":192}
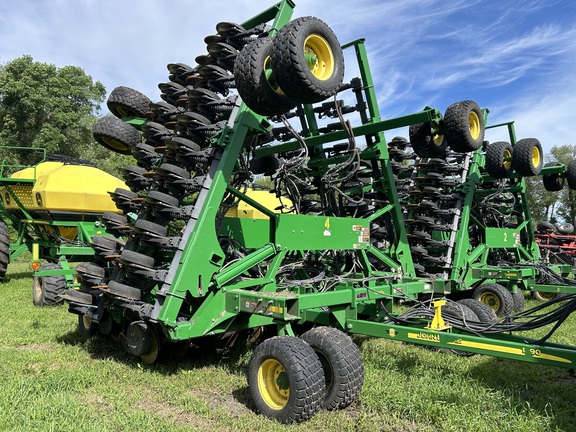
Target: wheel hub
{"x":319,"y":57}
{"x":273,"y":384}
{"x":474,"y":125}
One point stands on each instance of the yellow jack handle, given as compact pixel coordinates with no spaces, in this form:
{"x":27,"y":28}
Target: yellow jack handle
{"x":438,"y":322}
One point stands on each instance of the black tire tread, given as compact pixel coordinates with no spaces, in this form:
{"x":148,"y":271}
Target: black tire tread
{"x":111,"y":128}
{"x":484,"y":313}
{"x":291,"y":69}
{"x":456,"y":128}
{"x":553,"y":182}
{"x":252,"y":84}
{"x":505,"y":297}
{"x":53,"y":287}
{"x":346,"y":364}
{"x":4,"y":250}
{"x":495,"y":159}
{"x":522,"y":157}
{"x":307,"y":385}
{"x":132,"y":102}
{"x":571,"y":174}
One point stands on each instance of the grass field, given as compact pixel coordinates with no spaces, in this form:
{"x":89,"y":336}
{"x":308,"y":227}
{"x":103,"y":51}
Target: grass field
{"x":53,"y":378}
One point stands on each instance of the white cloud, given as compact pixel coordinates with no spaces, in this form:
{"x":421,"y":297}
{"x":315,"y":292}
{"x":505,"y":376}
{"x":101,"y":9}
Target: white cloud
{"x":422,"y":52}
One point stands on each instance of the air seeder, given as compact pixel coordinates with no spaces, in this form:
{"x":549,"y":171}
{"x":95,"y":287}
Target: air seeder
{"x":354,"y":225}
{"x":54,"y":205}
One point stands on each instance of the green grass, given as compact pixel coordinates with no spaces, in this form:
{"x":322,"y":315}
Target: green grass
{"x":53,"y":378}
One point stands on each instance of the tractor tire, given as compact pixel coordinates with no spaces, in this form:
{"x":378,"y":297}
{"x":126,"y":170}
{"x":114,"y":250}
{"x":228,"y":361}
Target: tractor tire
{"x":425,"y":140}
{"x":519,"y":300}
{"x":571,"y":174}
{"x":565,"y":229}
{"x":256,"y":82}
{"x":527,"y":157}
{"x":116,"y":135}
{"x":496,"y":296}
{"x":484,"y":313}
{"x":553,"y":182}
{"x":127,"y":102}
{"x":4,"y":250}
{"x":545,"y":227}
{"x":342,"y":364}
{"x":300,"y":80}
{"x":286,"y":379}
{"x":464,"y":126}
{"x":48,"y":290}
{"x":499,"y":159}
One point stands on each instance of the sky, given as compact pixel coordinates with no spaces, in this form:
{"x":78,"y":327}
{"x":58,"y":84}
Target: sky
{"x":518,"y":59}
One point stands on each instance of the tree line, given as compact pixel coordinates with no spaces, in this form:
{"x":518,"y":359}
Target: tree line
{"x":44,"y":106}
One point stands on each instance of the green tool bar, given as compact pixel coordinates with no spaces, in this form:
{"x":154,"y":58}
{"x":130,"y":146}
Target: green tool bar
{"x":512,"y":347}
{"x":427,"y":115}
{"x":241,"y":266}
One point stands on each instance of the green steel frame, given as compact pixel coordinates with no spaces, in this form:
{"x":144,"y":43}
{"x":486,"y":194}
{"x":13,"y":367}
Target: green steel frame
{"x":202,"y":294}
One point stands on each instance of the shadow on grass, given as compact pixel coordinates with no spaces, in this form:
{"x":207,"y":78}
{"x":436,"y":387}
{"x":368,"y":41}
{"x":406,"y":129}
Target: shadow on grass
{"x":206,"y":352}
{"x":172,"y":357}
{"x":18,"y":276}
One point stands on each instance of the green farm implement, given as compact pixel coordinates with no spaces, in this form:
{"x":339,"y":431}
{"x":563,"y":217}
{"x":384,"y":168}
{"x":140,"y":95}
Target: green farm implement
{"x":54,"y":206}
{"x":349,"y":225}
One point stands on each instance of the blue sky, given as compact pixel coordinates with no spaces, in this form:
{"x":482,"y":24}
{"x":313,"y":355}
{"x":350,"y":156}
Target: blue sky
{"x":516,"y":58}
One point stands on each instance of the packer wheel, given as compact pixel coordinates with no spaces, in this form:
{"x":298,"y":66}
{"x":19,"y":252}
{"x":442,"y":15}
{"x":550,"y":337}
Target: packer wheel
{"x":86,"y":325}
{"x":307,"y":60}
{"x":527,"y":157}
{"x":571,"y":174}
{"x":496,"y":296}
{"x":116,"y":135}
{"x":553,"y":182}
{"x":256,"y":82}
{"x":286,"y":380}
{"x":484,"y":313}
{"x":127,"y":102}
{"x":464,"y":126}
{"x":499,"y":159}
{"x":426,"y":140}
{"x":342,"y":365}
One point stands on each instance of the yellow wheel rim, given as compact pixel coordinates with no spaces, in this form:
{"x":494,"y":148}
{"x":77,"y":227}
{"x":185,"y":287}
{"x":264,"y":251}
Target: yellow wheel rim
{"x":86,"y":322}
{"x":271,"y":77}
{"x":507,"y":159}
{"x":547,"y":295}
{"x":273,"y":384}
{"x":151,"y":356}
{"x":491,"y":300}
{"x":436,"y":137}
{"x":124,"y":112}
{"x":474,"y":125}
{"x":319,"y":56}
{"x":112,"y":143}
{"x":535,"y":156}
